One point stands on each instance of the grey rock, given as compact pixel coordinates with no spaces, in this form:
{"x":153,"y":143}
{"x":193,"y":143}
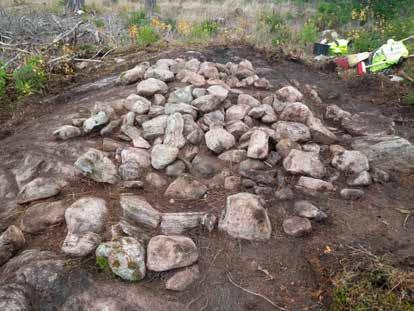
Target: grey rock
{"x":186,"y":188}
{"x":304,"y":163}
{"x":237,"y":112}
{"x":387,"y":152}
{"x":196,"y":136}
{"x":368,"y":123}
{"x":11,"y":241}
{"x":137,"y":104}
{"x":159,"y":73}
{"x":163,"y":155}
{"x":151,"y":86}
{"x":297,"y":226}
{"x":314,"y":187}
{"x":352,"y":194}
{"x":244,"y":217}
{"x":41,"y":216}
{"x":178,"y":223}
{"x":130,"y":170}
{"x":140,"y":156}
{"x":289,"y":94}
{"x":174,"y":131}
{"x":85,"y":221}
{"x":170,"y":252}
{"x":319,"y":132}
{"x":175,"y":169}
{"x":333,"y":112}
{"x":295,"y":112}
{"x":258,"y":145}
{"x":182,"y":95}
{"x":237,"y":128}
{"x":233,"y":156}
{"x":137,"y":211}
{"x":361,"y":179}
{"x":218,"y":91}
{"x":180,"y":108}
{"x":291,"y":130}
{"x":308,"y":210}
{"x":155,"y":180}
{"x":125,"y":257}
{"x":232,"y":183}
{"x":159,"y":100}
{"x":155,"y":127}
{"x":96,"y":121}
{"x":285,"y":146}
{"x":351,"y":161}
{"x":37,"y":189}
{"x":245,"y":99}
{"x":66,"y":132}
{"x":137,"y":140}
{"x":379,"y":176}
{"x":207,"y":103}
{"x":182,"y":280}
{"x":198,"y":92}
{"x":284,"y":193}
{"x":219,"y":140}
{"x":206,"y":166}
{"x":97,"y":166}
{"x":110,"y":128}
{"x":135,"y":74}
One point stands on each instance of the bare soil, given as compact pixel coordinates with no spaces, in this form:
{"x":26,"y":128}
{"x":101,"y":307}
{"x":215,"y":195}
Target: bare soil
{"x":301,"y":269}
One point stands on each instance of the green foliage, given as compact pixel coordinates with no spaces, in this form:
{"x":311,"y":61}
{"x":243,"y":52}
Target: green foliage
{"x":334,"y":14}
{"x":204,"y":30}
{"x":172,"y":22}
{"x":276,"y":25}
{"x":309,"y":33}
{"x":30,"y":78}
{"x":147,"y":35}
{"x":99,"y":23}
{"x":138,"y":18}
{"x":409,"y":98}
{"x":370,"y":290}
{"x":3,"y":80}
{"x":102,"y":263}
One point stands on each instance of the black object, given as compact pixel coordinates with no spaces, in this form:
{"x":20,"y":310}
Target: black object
{"x":320,"y":49}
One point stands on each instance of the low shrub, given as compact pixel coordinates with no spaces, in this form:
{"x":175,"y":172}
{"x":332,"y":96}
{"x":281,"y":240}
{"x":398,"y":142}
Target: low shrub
{"x":309,"y":33}
{"x":138,"y":18}
{"x":146,"y":36}
{"x":31,"y":77}
{"x":3,"y":80}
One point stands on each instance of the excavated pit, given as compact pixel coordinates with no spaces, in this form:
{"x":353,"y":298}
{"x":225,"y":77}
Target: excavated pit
{"x":299,"y":266}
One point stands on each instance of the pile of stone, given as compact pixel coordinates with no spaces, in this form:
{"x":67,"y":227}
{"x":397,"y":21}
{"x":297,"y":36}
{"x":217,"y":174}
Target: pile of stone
{"x":200,"y":132}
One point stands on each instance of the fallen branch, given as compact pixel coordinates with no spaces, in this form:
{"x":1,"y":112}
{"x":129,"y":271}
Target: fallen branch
{"x":65,"y":34}
{"x":255,"y":294}
{"x":88,"y":60}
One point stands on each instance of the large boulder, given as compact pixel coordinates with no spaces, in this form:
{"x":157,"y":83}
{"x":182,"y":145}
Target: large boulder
{"x":182,"y":280}
{"x":304,"y":163}
{"x":140,"y":156}
{"x":97,"y":166}
{"x":135,"y":74}
{"x":387,"y":152}
{"x":170,"y":252}
{"x":151,"y":86}
{"x":137,"y":211}
{"x":182,"y":95}
{"x":124,"y":257}
{"x":155,"y":127}
{"x":37,"y":189}
{"x":186,"y":188}
{"x":207,"y":103}
{"x":137,"y":104}
{"x":245,"y":218}
{"x":368,"y":123}
{"x":96,"y":121}
{"x":40,"y":216}
{"x":85,"y":221}
{"x":11,"y":241}
{"x":351,"y":161}
{"x":160,"y":73}
{"x":320,"y":134}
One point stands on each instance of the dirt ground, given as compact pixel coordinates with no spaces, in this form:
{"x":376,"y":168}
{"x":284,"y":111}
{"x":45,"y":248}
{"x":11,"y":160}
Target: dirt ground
{"x":299,"y":270}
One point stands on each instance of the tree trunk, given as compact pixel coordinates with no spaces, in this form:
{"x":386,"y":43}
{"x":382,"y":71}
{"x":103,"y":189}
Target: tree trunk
{"x":75,"y":5}
{"x":150,"y":7}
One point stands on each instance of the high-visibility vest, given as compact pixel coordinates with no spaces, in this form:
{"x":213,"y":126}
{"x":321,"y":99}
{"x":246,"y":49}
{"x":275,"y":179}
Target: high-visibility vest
{"x":388,"y":55}
{"x":338,"y":47}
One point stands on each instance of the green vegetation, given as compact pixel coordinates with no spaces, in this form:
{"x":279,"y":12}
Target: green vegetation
{"x":30,"y":78}
{"x":409,"y":98}
{"x":204,"y":30}
{"x":138,"y":18}
{"x":102,"y":263}
{"x":277,"y":26}
{"x":147,"y":35}
{"x":379,"y":286}
{"x":3,"y":77}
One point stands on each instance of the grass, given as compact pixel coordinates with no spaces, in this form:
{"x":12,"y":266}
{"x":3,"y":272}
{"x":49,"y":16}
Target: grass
{"x":372,"y":284}
{"x":409,"y":98}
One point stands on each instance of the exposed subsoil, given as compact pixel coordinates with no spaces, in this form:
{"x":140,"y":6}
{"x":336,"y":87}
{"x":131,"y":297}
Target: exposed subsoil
{"x":301,"y":267}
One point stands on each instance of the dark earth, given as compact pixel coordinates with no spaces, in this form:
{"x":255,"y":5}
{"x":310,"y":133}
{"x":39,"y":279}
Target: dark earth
{"x":300,"y":269}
